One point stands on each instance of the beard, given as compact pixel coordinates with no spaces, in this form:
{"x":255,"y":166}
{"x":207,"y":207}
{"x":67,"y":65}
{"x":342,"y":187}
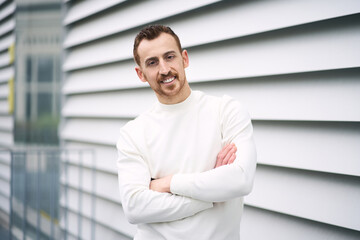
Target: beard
{"x":168,"y":90}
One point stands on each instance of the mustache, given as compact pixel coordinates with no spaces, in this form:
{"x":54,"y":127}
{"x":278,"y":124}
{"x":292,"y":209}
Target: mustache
{"x":169,"y":74}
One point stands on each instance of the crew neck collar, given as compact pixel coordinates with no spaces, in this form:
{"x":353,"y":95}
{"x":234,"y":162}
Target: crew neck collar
{"x":177,"y":106}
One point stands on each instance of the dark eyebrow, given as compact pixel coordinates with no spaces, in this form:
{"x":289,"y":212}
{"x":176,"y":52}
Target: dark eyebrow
{"x":169,"y":52}
{"x":155,"y":58}
{"x":151,"y":59}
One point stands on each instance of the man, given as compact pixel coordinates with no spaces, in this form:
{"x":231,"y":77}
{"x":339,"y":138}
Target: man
{"x":186,"y":163}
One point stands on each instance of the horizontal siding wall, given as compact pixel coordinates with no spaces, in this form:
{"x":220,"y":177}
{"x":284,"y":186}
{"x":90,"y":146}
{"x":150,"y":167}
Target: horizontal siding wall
{"x":294,"y":64}
{"x":7,"y":43}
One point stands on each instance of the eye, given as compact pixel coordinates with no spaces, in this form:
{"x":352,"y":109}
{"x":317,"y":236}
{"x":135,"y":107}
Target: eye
{"x":171,"y":56}
{"x":151,"y":63}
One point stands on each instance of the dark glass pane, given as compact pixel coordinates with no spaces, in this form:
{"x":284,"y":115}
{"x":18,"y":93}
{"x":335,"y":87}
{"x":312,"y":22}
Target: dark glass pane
{"x":28,"y":69}
{"x":28,"y":106}
{"x":44,"y":104}
{"x":45,"y":69}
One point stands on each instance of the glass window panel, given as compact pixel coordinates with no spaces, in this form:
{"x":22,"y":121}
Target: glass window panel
{"x":44,"y":104}
{"x":45,"y":69}
{"x":28,"y":105}
{"x":28,"y":69}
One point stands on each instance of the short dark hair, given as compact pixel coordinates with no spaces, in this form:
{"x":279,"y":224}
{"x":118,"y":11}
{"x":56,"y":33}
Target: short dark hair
{"x":149,"y":33}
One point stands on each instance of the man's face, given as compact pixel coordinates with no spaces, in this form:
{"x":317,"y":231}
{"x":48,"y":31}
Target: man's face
{"x":162,"y":65}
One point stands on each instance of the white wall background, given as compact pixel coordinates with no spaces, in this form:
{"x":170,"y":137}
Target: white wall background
{"x":7,"y":41}
{"x":294,"y":63}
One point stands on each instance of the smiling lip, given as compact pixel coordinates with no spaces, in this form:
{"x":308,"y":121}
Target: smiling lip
{"x":168,"y":80}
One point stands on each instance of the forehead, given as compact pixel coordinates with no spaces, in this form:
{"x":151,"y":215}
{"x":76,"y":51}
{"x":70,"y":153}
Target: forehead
{"x":158,"y":46}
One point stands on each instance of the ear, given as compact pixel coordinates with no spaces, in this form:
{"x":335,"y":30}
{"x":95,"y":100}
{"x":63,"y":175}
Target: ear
{"x":185,"y":57}
{"x":140,"y":74}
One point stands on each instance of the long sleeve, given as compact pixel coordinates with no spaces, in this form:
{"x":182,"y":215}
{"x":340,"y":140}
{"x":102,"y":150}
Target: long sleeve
{"x":140,"y":204}
{"x":229,"y":181}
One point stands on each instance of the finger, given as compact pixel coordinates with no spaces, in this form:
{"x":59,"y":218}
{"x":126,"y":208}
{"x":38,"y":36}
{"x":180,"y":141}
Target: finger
{"x":229,"y":155}
{"x":225,"y":150}
{"x":221,"y":155}
{"x":231,"y":150}
{"x":218,"y":163}
{"x":232,"y":159}
{"x":225,"y":154}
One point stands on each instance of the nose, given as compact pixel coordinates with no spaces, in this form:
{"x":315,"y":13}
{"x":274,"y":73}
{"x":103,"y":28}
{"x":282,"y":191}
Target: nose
{"x":164,"y":68}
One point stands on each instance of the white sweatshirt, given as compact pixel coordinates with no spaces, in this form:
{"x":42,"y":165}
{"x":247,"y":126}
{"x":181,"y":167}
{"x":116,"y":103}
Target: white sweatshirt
{"x":184,"y":139}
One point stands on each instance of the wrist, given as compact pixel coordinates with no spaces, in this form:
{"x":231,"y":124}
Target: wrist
{"x":167,"y":183}
{"x":161,"y":184}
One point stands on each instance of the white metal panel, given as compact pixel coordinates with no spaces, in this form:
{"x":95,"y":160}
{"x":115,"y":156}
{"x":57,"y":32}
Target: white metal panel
{"x":4,"y":106}
{"x":197,"y":58}
{"x":4,"y":90}
{"x":113,"y":76}
{"x":100,"y":52}
{"x":286,"y":97}
{"x":5,"y":174}
{"x":319,"y":96}
{"x":79,"y":156}
{"x":287,"y":138}
{"x":6,"y":74}
{"x":257,"y":223}
{"x":113,"y":210}
{"x":5,"y":157}
{"x":319,"y":146}
{"x":83,"y":9}
{"x":323,"y":197}
{"x":128,"y":18}
{"x":4,"y":204}
{"x":7,"y":26}
{"x":239,"y":19}
{"x":123,"y":104}
{"x":4,"y":171}
{"x":73,"y":198}
{"x":104,"y":211}
{"x":31,"y":217}
{"x":4,"y":59}
{"x":101,"y":231}
{"x":6,"y":139}
{"x":106,"y":233}
{"x":4,"y":187}
{"x":294,"y":97}
{"x":28,"y":2}
{"x":105,"y":156}
{"x":6,"y":123}
{"x":242,"y":18}
{"x":274,"y":63}
{"x":106,"y":185}
{"x":83,"y":130}
{"x":73,"y":220}
{"x":6,"y":11}
{"x":289,"y":51}
{"x":6,"y":41}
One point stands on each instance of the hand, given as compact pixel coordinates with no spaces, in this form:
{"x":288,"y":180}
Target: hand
{"x":226,"y":155}
{"x":161,"y":184}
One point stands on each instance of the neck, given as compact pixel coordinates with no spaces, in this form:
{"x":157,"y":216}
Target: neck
{"x":178,"y":98}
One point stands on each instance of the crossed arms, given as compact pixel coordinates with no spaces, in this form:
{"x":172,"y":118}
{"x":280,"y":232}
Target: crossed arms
{"x":227,"y":155}
{"x":183,"y":195}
